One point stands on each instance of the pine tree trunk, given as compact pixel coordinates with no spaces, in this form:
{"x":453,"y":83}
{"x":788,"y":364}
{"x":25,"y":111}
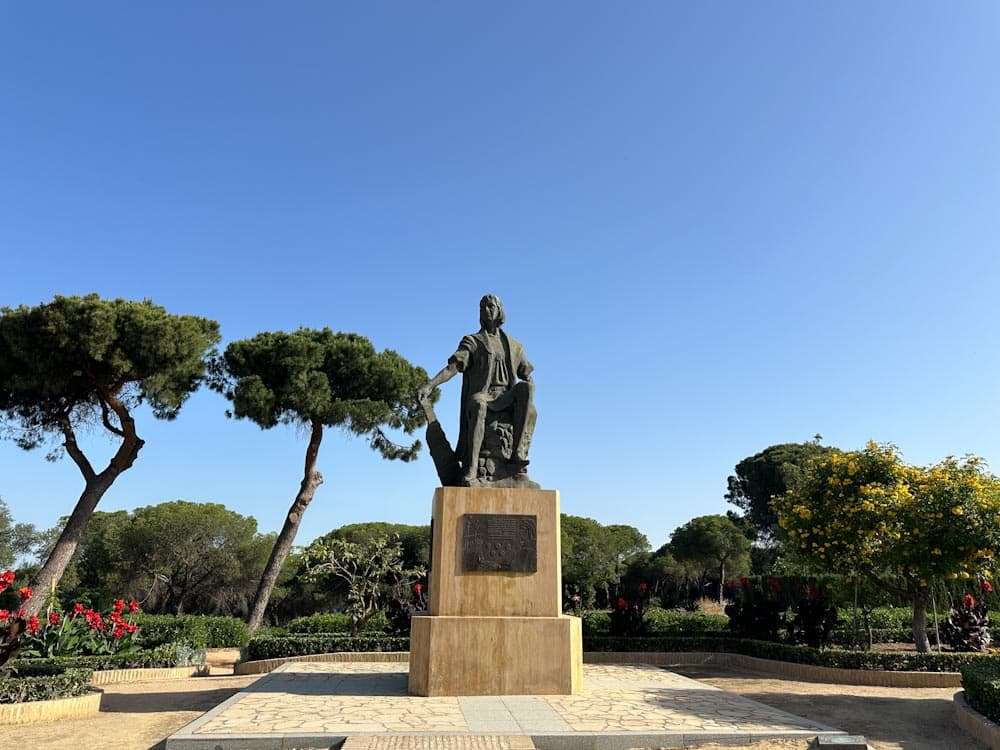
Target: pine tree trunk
{"x":920,"y":639}
{"x":95,"y":486}
{"x":722,"y":579}
{"x":311,"y":479}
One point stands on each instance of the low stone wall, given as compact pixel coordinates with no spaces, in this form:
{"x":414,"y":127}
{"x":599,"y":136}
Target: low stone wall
{"x":57,"y":708}
{"x":267,"y":665}
{"x":975,"y":724}
{"x":806,"y":672}
{"x":108,"y":676}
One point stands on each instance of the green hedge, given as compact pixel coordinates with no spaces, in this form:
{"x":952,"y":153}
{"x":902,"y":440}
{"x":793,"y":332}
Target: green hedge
{"x":276,"y":647}
{"x":167,"y":655}
{"x":327,"y":622}
{"x":679,"y":621}
{"x":26,"y":685}
{"x":200,"y":631}
{"x":981,"y":680}
{"x":867,"y":660}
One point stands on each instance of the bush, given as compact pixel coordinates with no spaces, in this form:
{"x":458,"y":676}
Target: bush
{"x":866,"y":660}
{"x":680,"y":622}
{"x":165,"y":655}
{"x":26,"y":685}
{"x":981,"y":680}
{"x":595,"y":622}
{"x":200,"y":631}
{"x":329,"y":622}
{"x":276,"y":647}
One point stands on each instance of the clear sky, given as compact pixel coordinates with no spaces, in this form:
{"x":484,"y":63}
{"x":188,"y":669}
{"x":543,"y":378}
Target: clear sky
{"x":714,"y":226}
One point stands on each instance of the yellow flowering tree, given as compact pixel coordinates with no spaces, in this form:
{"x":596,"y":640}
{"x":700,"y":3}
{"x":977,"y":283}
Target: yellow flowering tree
{"x":868,"y":514}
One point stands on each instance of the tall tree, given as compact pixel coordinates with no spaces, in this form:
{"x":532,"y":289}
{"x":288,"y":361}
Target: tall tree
{"x":16,"y":539}
{"x":87,"y":361}
{"x":317,"y":379}
{"x":594,"y":556}
{"x":714,"y":542}
{"x":866,"y":514}
{"x":768,"y":474}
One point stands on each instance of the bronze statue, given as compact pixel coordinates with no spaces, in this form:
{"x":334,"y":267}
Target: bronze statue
{"x":497,"y":411}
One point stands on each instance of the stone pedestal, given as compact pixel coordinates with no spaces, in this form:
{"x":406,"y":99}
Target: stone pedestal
{"x":495,"y":631}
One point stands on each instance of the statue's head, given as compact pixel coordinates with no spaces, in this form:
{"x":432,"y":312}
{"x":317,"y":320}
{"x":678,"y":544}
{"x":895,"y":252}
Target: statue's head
{"x":491,"y":309}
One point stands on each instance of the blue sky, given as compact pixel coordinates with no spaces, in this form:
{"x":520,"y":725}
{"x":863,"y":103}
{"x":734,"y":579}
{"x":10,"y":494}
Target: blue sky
{"x":714,"y":226}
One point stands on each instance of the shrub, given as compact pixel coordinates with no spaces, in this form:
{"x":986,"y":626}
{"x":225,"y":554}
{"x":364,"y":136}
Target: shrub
{"x":200,"y":631}
{"x":45,"y":684}
{"x":595,"y":622}
{"x":968,"y":626}
{"x":681,"y":621}
{"x":981,"y":680}
{"x":866,"y":660}
{"x":321,"y":622}
{"x":165,"y":655}
{"x":322,"y":643}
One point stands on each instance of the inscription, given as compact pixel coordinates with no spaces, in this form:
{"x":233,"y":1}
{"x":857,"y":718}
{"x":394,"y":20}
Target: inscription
{"x":500,"y":542}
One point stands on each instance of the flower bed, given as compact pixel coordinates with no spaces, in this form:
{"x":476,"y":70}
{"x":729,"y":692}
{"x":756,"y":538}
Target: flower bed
{"x":26,"y":683}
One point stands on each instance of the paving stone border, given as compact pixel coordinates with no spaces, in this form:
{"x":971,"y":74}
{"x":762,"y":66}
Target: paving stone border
{"x":975,"y":724}
{"x":806,"y":672}
{"x":58,"y":708}
{"x":109,"y":676}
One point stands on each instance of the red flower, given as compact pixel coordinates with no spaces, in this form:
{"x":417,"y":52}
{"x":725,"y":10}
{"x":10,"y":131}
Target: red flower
{"x":131,"y":628}
{"x":21,"y":612}
{"x":26,"y":593}
{"x":4,"y":615}
{"x":985,"y":586}
{"x":6,"y":579}
{"x":78,"y":609}
{"x":54,"y":618}
{"x":417,"y":588}
{"x":32,"y":625}
{"x":118,"y":606}
{"x":968,"y":601}
{"x":643,"y":587}
{"x":745,"y":582}
{"x":133,"y":607}
{"x":622,"y":605}
{"x":775,"y":586}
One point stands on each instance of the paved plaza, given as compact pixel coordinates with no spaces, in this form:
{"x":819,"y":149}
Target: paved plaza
{"x":321,"y":705}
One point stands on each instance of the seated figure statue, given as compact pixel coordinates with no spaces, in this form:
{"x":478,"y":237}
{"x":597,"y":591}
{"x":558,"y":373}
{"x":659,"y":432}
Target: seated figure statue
{"x":497,"y":410}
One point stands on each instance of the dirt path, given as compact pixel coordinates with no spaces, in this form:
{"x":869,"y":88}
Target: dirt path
{"x":141,"y":715}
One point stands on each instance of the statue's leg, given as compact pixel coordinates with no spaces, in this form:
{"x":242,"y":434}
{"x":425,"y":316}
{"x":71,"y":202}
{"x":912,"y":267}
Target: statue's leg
{"x":524,"y":419}
{"x":477,"y":415}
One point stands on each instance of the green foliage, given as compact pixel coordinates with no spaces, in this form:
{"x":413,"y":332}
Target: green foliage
{"x":63,"y":361}
{"x":211,"y":565}
{"x":680,"y":622}
{"x":415,"y":541}
{"x":595,"y":622}
{"x":596,"y":557}
{"x":276,"y":647}
{"x":57,"y":683}
{"x":334,"y":379}
{"x":373,"y":571}
{"x":335,"y":623}
{"x":981,"y":681}
{"x":714,"y":543}
{"x":893,"y":661}
{"x":768,"y":474}
{"x":199,"y":631}
{"x":164,"y":655}
{"x":16,"y":539}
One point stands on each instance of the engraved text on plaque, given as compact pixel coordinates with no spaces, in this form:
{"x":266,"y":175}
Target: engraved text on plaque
{"x":499,"y":542}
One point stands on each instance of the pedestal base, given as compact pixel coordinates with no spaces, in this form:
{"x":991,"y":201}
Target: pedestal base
{"x":495,"y":655}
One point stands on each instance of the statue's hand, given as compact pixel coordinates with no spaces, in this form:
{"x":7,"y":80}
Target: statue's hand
{"x":423,"y":394}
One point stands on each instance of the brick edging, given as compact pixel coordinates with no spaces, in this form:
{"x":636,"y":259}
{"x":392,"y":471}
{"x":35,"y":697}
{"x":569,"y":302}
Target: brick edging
{"x":974,"y":723}
{"x":57,"y":708}
{"x":108,"y":676}
{"x":266,"y":665}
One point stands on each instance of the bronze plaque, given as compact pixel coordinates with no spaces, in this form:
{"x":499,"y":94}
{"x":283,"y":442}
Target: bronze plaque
{"x":500,"y":542}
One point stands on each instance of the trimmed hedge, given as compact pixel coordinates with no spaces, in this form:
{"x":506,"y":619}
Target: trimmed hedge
{"x":866,"y":660}
{"x":200,"y":631}
{"x":276,"y":647}
{"x":327,"y":622}
{"x":167,"y":655}
{"x":679,"y":621}
{"x":24,"y":685}
{"x":981,"y":681}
